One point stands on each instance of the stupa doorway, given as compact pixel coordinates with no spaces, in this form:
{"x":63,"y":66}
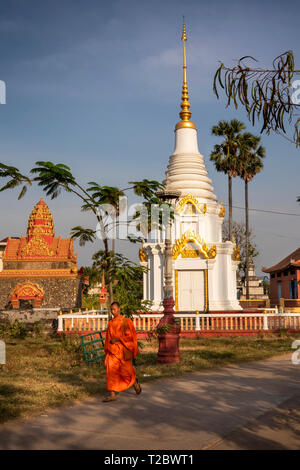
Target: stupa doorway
{"x":191,"y":290}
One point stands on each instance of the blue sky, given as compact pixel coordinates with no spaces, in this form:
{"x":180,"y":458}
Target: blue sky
{"x":97,"y":86}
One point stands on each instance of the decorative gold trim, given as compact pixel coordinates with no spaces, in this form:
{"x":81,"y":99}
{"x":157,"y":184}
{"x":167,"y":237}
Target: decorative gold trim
{"x":36,"y":247}
{"x":237,"y":250}
{"x":190,"y":253}
{"x":33,"y":273}
{"x":176,"y":290}
{"x":27,"y":289}
{"x":41,"y":259}
{"x":237,"y":253}
{"x":192,"y":200}
{"x":192,"y":236}
{"x":142,"y":254}
{"x":206,"y":290}
{"x":222,"y":210}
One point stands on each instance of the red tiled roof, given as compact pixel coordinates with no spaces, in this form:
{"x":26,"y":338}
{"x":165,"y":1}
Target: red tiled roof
{"x":293,"y":259}
{"x":6,"y":239}
{"x":60,"y":248}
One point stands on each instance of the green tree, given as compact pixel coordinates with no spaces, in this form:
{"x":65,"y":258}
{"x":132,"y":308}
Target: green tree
{"x":128,"y":280}
{"x":15,"y":179}
{"x":250,"y":157}
{"x":93,"y":274}
{"x":265,"y":93}
{"x":102,"y":201}
{"x":224,"y":155}
{"x":239,"y":237}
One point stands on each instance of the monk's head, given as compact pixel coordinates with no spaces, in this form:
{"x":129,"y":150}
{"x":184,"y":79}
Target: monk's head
{"x":115,"y":309}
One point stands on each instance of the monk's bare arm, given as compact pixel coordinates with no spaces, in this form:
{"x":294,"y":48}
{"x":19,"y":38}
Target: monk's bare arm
{"x":114,"y":340}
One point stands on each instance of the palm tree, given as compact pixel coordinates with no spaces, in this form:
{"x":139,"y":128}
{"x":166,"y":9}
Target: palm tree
{"x":250,"y":155}
{"x":54,"y":178}
{"x":15,"y":179}
{"x":224,"y":155}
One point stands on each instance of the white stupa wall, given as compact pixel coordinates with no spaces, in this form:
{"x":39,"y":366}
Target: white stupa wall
{"x":186,"y":173}
{"x":186,"y":169}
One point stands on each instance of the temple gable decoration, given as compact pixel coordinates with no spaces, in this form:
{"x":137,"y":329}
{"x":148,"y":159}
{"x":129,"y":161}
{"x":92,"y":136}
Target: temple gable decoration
{"x":36,"y":247}
{"x":189,"y":199}
{"x":192,"y":236}
{"x":27,"y":291}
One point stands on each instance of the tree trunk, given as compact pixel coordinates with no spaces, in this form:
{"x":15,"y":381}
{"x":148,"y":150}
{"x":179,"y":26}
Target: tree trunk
{"x":106,"y":249}
{"x":230,"y":205}
{"x":247,"y":239}
{"x":110,"y":282}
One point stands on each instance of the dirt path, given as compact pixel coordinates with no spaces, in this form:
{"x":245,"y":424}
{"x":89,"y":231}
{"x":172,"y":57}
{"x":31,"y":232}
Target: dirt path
{"x":250,"y":406}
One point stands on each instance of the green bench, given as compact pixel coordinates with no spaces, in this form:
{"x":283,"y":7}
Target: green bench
{"x":93,"y":346}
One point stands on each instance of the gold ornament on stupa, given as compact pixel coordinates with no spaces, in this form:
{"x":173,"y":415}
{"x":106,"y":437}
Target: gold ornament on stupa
{"x":185,"y":112}
{"x":142,"y":254}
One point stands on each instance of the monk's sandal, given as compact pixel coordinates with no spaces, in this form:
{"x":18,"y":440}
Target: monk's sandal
{"x":107,"y":399}
{"x":138,"y":390}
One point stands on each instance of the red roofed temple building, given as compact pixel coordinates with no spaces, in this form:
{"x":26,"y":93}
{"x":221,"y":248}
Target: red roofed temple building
{"x":284,"y":279}
{"x":40,"y":268}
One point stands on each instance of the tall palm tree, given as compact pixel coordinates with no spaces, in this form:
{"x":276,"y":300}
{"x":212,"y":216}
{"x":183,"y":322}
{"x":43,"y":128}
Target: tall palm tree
{"x":250,"y":155}
{"x":224,"y":155}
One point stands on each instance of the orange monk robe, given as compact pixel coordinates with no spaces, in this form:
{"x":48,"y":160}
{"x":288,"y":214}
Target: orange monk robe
{"x":120,"y":374}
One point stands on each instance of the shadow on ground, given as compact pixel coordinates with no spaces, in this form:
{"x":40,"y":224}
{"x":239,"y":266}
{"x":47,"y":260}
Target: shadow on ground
{"x":189,"y":412}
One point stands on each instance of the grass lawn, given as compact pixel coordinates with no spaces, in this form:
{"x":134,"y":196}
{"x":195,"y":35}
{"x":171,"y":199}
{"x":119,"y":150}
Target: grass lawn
{"x":43,"y":371}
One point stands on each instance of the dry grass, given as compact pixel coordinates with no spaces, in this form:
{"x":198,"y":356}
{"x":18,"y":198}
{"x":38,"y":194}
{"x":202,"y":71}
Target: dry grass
{"x":206,"y":353}
{"x":43,"y":371}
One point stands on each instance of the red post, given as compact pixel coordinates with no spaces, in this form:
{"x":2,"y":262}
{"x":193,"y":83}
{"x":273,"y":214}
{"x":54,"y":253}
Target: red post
{"x":169,"y":340}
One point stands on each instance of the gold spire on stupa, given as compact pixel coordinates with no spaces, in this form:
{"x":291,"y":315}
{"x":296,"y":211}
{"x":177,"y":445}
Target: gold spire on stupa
{"x":185,"y":113}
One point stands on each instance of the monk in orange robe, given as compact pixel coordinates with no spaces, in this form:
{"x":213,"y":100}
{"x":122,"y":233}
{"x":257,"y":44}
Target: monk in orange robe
{"x":120,"y":335}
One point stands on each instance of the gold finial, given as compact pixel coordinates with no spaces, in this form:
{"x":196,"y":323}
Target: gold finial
{"x":183,"y":36}
{"x":185,"y":113}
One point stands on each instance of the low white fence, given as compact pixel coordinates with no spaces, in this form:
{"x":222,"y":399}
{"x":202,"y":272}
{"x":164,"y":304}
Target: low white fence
{"x":95,"y":321}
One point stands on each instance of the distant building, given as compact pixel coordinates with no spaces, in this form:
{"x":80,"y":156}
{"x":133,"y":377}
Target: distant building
{"x":39,"y":269}
{"x":256,"y":288}
{"x":284,"y":278}
{"x":95,"y":290}
{"x":3,"y":244}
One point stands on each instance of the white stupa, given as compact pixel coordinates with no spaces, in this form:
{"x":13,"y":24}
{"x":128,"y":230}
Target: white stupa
{"x":204,"y":266}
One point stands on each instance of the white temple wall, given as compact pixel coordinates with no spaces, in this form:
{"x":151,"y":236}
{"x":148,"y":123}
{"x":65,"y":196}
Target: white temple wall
{"x":151,"y":278}
{"x":233,"y":293}
{"x":209,"y":226}
{"x":145,"y":282}
{"x":186,"y":141}
{"x":157,"y":280}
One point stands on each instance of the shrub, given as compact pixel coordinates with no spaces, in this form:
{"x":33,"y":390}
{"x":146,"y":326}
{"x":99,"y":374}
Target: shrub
{"x":283,"y":332}
{"x":3,"y":329}
{"x":38,"y":328}
{"x":261,"y":334}
{"x":16,"y":329}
